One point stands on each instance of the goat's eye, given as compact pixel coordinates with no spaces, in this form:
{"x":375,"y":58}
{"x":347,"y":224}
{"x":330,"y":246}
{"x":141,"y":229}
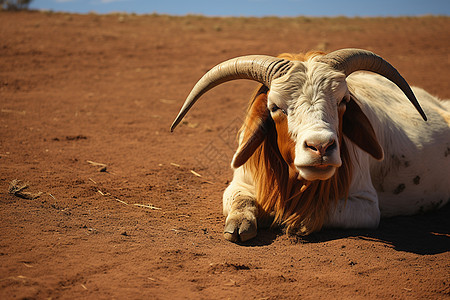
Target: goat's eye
{"x":274,"y":108}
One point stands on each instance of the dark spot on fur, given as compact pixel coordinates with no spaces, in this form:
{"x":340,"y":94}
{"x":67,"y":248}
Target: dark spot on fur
{"x":416,"y":180}
{"x":400,"y":161}
{"x":447,"y":152}
{"x":400,"y":188}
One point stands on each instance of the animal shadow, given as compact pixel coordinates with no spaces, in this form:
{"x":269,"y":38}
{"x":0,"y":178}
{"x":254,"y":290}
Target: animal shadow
{"x":265,"y":237}
{"x":424,"y":234}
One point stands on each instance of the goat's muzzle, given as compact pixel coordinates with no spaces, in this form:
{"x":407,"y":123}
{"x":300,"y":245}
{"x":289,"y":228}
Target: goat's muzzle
{"x":317,"y":156}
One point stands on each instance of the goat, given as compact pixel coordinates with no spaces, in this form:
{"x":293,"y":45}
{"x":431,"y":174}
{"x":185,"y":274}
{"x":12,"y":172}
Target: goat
{"x":320,"y":148}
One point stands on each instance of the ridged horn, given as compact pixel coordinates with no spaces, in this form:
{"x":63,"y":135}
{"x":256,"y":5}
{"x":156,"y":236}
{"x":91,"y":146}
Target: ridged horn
{"x":351,"y":60}
{"x":259,"y":68}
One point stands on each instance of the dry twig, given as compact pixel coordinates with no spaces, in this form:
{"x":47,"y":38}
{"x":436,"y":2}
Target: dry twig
{"x":147,"y":206}
{"x":102,"y":167}
{"x":195,"y":173}
{"x":17,"y":188}
{"x":118,"y":200}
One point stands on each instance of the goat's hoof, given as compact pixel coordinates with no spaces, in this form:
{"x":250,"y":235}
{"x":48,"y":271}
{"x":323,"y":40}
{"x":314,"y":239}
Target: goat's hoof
{"x":240,"y":229}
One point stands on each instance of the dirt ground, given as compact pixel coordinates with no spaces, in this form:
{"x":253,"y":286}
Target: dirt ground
{"x":86,"y":103}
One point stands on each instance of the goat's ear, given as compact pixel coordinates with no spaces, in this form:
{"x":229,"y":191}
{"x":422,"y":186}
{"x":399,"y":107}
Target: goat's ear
{"x":255,"y":131}
{"x":356,"y":126}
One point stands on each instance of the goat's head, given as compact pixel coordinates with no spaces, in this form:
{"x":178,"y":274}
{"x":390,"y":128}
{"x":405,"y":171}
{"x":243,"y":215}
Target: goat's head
{"x":309,"y":102}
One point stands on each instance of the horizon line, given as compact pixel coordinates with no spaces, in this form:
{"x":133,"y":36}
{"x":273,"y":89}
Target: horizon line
{"x":425,"y":15}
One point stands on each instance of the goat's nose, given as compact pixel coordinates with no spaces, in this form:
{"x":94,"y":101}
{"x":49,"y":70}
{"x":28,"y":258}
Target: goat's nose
{"x":320,"y":148}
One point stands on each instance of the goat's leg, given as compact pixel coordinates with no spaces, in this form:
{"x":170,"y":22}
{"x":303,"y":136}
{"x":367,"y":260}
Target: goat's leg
{"x":241,"y":224}
{"x":361,"y":209}
{"x":240,"y":209}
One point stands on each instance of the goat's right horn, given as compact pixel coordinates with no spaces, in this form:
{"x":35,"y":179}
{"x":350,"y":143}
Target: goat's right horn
{"x":351,"y":60}
{"x":259,"y":68}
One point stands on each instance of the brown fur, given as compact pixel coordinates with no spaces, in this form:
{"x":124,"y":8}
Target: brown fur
{"x":296,"y":203}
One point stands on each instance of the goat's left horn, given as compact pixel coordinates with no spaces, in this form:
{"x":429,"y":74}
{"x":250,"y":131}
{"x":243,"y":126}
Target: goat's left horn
{"x":259,"y":68}
{"x":351,"y":60}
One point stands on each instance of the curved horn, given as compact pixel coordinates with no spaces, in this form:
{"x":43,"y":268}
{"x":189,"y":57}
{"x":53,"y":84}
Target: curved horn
{"x":260,"y":68}
{"x":351,"y":60}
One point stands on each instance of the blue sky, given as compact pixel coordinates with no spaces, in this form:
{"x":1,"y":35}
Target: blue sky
{"x":258,"y":8}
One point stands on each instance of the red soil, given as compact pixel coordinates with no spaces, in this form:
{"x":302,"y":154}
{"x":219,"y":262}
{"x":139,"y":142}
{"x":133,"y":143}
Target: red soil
{"x":78,"y":88}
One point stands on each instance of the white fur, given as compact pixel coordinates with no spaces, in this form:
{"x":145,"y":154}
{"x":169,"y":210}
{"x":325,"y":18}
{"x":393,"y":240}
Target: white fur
{"x":415,"y":173}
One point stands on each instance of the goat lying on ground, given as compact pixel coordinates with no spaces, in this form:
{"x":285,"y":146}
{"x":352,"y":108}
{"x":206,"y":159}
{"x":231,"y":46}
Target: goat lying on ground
{"x":322,"y":148}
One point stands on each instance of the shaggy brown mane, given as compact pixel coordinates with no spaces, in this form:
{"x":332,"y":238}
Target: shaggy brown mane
{"x":296,"y":203}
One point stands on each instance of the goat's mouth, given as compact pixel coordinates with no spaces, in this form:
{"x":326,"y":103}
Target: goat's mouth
{"x":316,"y":172}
